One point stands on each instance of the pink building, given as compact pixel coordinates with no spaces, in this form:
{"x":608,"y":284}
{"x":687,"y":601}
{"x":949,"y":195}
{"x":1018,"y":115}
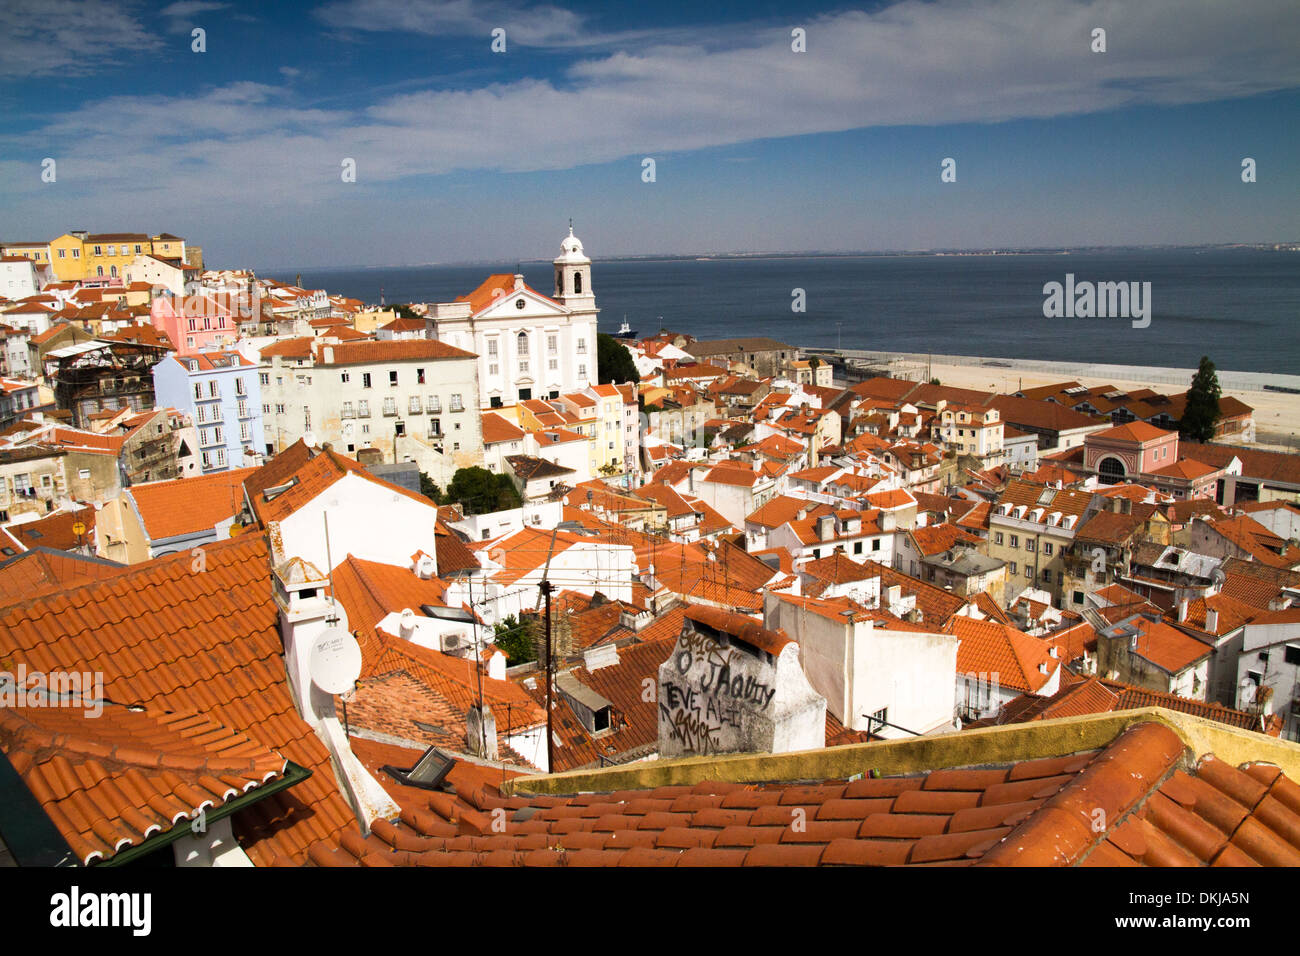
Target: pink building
{"x":205,"y":324}
{"x":1127,"y":451}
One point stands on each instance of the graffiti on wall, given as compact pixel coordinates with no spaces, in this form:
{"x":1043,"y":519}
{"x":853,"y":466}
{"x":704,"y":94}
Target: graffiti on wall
{"x":710,"y":689}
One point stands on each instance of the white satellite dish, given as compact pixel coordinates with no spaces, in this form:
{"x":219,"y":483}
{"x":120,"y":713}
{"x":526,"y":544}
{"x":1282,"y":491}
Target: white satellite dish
{"x":334,"y":661}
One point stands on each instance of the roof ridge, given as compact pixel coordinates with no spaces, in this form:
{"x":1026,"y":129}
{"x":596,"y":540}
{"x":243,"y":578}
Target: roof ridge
{"x":1115,"y":784}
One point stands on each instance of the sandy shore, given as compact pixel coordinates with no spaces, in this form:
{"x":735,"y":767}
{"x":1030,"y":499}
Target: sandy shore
{"x":1277,"y":414}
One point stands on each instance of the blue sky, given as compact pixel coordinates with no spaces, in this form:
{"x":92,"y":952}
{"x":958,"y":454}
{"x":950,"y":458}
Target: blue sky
{"x":463,"y":154}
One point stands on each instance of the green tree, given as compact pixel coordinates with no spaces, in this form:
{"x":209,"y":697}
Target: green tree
{"x":405,"y":312}
{"x":1201,"y":411}
{"x":479,"y":491}
{"x":613,"y":361}
{"x":515,"y":638}
{"x":429,"y":489}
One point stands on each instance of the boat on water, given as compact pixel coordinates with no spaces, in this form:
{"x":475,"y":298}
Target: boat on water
{"x":625,"y":331}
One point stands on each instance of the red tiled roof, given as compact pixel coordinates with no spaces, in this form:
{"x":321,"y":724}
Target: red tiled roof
{"x":1034,"y":812}
{"x":41,"y":570}
{"x":393,"y":350}
{"x":188,"y":505}
{"x":498,"y":429}
{"x":1134,"y":431}
{"x":172,"y":640}
{"x":989,"y":647}
{"x":111,"y":781}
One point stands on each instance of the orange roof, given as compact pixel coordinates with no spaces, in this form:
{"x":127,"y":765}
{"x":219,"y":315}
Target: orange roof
{"x":310,"y":480}
{"x":393,"y":350}
{"x":1035,"y":812}
{"x":783,"y":509}
{"x":175,"y":641}
{"x":1134,"y":431}
{"x":369,"y":591}
{"x":1167,"y":647}
{"x":113,"y":780}
{"x":934,"y":539}
{"x":494,"y":287}
{"x":42,"y":570}
{"x":299,"y":348}
{"x":988,"y":647}
{"x":188,"y":505}
{"x":729,"y":474}
{"x":497,"y":429}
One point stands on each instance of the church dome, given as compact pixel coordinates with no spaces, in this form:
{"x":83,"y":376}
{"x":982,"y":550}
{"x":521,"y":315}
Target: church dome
{"x":571,"y":249}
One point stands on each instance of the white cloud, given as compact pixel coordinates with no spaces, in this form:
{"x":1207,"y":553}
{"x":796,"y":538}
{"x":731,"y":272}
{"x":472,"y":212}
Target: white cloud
{"x":68,"y":37}
{"x":916,"y":63}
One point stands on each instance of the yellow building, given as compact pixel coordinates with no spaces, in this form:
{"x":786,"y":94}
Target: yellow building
{"x":81,"y":255}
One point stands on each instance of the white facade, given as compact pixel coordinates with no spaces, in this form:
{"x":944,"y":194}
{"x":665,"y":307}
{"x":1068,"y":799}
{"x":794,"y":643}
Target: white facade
{"x":17,"y":277}
{"x":529,"y":346}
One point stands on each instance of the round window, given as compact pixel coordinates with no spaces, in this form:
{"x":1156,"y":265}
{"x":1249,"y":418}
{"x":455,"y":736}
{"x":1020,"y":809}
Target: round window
{"x":519,"y":303}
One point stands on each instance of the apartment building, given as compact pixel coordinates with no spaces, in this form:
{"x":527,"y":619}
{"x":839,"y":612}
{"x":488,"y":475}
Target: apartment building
{"x":221,"y":393}
{"x":404,"y":400}
{"x":1031,"y":528}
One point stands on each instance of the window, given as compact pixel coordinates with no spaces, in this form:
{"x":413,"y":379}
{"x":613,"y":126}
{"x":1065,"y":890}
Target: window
{"x":1015,"y":541}
{"x":306,"y":418}
{"x":997,"y":537}
{"x":207,"y":460}
{"x":76,"y":253}
{"x":582,"y":346}
{"x":1029,"y":572}
{"x":553,"y":365}
{"x":433,"y":405}
{"x":492,"y":348}
{"x":212,"y":388}
{"x":876,"y":722}
{"x":365,"y":379}
{"x":1012,"y":567}
{"x":1029,"y":544}
{"x":1292,"y":654}
{"x":413,"y":405}
{"x":494,"y":369}
{"x":857,"y":547}
{"x":243,"y":408}
{"x":363,"y":409}
{"x":523,"y":366}
{"x":1078,"y":597}
{"x":63,"y":253}
{"x":264,"y":378}
{"x":266,"y":409}
{"x":435,"y":428}
{"x":137,"y":249}
{"x":419,"y":376}
{"x":345,"y":377}
{"x":279,"y":409}
{"x":875,"y":544}
{"x":245,"y":433}
{"x":201,"y":413}
{"x":390,"y":406}
{"x":221,"y":458}
{"x":83,"y":474}
{"x":1047,"y":575}
{"x":1047,"y":548}
{"x":582,"y":371}
{"x":552,"y":344}
{"x":349,"y":410}
{"x":456,"y":405}
{"x":365,"y":429}
{"x":392,"y":378}
{"x":112,"y":250}
{"x":198,"y":389}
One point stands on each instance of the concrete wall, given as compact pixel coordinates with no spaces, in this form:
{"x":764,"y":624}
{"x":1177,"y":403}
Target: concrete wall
{"x":717,"y":697}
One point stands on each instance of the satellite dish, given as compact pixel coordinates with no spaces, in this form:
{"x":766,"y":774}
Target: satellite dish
{"x":334,"y":661}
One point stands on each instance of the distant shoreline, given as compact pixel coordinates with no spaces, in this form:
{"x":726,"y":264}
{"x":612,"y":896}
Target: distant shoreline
{"x":1288,"y":246}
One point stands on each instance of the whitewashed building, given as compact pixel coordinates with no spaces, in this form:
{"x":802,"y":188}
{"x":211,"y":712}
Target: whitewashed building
{"x":529,"y":345}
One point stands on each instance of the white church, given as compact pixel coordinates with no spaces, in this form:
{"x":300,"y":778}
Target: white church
{"x":529,"y":345}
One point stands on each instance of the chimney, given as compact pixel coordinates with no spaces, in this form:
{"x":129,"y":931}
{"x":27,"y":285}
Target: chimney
{"x":1182,"y":610}
{"x":825,"y":527}
{"x":1211,"y":620}
{"x":406,"y":624}
{"x":888,"y":521}
{"x":893,"y":594}
{"x":426,"y":567}
{"x":328,"y":352}
{"x":519,"y":281}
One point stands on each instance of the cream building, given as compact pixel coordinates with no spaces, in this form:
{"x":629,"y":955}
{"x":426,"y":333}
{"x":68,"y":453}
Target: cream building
{"x":529,"y":345}
{"x":405,"y":400}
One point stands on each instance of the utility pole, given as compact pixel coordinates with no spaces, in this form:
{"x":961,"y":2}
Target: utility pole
{"x":550,"y":733}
